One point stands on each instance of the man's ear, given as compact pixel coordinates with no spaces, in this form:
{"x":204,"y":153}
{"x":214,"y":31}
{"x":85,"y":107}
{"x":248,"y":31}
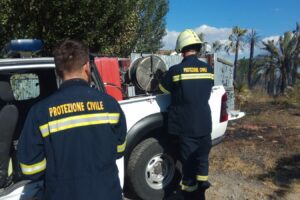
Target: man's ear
{"x":86,"y":67}
{"x":87,"y":72}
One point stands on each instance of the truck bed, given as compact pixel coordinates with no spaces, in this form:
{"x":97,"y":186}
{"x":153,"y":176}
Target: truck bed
{"x":138,"y":108}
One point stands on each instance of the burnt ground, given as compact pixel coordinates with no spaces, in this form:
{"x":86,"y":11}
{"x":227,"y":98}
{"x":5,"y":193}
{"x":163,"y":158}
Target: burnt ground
{"x":260,"y":156}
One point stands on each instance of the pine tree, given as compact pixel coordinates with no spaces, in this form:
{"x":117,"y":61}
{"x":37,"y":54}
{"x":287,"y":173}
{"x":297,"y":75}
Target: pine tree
{"x":152,"y":25}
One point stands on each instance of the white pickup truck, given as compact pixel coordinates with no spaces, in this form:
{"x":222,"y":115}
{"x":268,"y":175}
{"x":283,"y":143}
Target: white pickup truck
{"x":150,"y":168}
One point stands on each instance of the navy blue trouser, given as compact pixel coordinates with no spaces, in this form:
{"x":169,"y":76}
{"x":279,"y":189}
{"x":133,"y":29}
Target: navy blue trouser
{"x":194,"y":156}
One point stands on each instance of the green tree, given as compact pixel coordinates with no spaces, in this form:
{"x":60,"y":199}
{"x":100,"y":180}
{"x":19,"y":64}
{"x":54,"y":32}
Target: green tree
{"x":152,"y":24}
{"x":217,"y":46}
{"x":265,"y":70}
{"x":101,"y":24}
{"x":241,"y":71}
{"x":3,"y":20}
{"x":204,"y":44}
{"x":236,"y":39}
{"x":296,"y":59}
{"x":284,"y":55}
{"x":253,"y":39}
{"x":201,"y":36}
{"x":109,"y":27}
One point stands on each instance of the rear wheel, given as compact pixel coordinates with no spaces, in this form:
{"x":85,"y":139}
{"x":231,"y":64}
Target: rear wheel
{"x":153,"y":170}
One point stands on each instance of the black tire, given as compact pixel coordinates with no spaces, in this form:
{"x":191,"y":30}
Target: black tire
{"x":160,"y":157}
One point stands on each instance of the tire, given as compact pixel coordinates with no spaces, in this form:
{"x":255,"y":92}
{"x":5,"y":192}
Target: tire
{"x":153,"y":171}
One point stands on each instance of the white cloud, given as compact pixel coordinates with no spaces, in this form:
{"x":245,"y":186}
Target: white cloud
{"x":211,"y":34}
{"x":274,"y":37}
{"x":169,"y":40}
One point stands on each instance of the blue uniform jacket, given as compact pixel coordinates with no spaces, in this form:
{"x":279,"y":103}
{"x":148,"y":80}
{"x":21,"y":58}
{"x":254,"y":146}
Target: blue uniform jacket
{"x":190,"y":84}
{"x":72,"y":140}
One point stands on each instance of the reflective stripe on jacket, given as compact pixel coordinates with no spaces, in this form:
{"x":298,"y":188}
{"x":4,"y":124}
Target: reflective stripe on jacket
{"x":190,"y":84}
{"x":72,"y":140}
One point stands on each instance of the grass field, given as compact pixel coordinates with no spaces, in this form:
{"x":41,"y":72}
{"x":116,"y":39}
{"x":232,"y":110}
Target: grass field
{"x":260,"y":156}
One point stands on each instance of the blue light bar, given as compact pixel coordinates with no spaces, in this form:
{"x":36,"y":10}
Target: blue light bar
{"x":25,"y":45}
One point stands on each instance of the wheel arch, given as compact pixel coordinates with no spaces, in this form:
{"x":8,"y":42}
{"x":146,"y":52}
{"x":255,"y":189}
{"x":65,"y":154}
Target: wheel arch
{"x":144,"y":128}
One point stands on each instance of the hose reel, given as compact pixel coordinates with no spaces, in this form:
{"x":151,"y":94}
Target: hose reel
{"x":145,"y":72}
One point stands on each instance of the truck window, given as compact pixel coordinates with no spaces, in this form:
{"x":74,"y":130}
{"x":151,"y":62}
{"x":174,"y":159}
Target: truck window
{"x":25,"y":86}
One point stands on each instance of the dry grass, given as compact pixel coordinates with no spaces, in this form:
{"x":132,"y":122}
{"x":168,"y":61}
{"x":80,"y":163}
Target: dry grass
{"x":262,"y":148}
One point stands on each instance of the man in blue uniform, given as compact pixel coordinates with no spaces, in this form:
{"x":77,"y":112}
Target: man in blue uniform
{"x":71,"y":139}
{"x":190,"y":84}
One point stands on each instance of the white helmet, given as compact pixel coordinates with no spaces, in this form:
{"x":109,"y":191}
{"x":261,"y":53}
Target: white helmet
{"x":186,"y":38}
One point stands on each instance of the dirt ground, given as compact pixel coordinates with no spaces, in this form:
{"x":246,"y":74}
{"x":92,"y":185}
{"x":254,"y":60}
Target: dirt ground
{"x":260,"y":156}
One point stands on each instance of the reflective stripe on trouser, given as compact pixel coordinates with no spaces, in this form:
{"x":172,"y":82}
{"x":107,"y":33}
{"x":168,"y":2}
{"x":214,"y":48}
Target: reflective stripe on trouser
{"x":188,"y":187}
{"x":78,"y":121}
{"x":201,"y":178}
{"x":194,"y":156}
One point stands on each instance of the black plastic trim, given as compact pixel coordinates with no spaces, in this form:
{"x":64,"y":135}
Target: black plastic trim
{"x":218,"y":140}
{"x":142,"y":128}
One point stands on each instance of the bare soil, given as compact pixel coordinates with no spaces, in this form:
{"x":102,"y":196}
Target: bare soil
{"x":260,"y":156}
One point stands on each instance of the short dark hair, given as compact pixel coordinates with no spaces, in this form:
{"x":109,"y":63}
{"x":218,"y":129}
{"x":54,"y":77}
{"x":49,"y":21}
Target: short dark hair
{"x":195,"y":47}
{"x":70,"y":56}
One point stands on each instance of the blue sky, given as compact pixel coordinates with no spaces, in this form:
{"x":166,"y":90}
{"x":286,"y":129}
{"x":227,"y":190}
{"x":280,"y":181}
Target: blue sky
{"x":271,"y":18}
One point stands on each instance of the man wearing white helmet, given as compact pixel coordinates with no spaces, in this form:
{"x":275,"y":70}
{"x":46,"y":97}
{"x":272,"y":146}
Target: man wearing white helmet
{"x":190,"y":83}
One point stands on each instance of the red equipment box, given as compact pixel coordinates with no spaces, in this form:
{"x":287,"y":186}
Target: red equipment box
{"x":110,"y":73}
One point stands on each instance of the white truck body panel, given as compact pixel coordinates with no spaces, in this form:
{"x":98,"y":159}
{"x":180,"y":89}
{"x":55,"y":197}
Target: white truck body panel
{"x":235,"y":114}
{"x":14,"y":195}
{"x":24,"y":191}
{"x":218,"y":129}
{"x":136,"y":109}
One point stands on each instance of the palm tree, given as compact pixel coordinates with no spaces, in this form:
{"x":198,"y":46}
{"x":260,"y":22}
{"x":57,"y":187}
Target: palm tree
{"x":201,"y":36}
{"x":203,"y":49}
{"x":265,"y":71}
{"x":296,"y":60}
{"x":235,"y":43}
{"x":217,"y":46}
{"x":253,"y":38}
{"x":284,"y":54}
